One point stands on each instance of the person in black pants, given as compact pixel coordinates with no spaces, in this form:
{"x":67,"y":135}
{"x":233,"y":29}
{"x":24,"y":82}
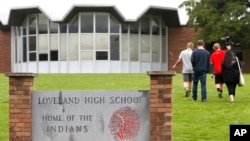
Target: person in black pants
{"x":200,"y":60}
{"x":230,"y":72}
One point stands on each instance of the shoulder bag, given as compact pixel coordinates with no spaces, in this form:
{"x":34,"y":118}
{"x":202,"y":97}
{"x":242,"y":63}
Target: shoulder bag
{"x":241,"y":79}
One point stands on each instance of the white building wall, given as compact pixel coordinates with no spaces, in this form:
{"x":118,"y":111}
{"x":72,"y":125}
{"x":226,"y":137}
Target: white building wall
{"x":65,"y":65}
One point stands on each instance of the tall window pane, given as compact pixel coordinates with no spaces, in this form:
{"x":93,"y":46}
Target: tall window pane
{"x":145,"y":28}
{"x":63,"y":47}
{"x":43,"y":44}
{"x":53,"y":27}
{"x":32,"y":43}
{"x":124,"y":29}
{"x":114,"y":47}
{"x":73,"y":25}
{"x":24,"y":28}
{"x":101,"y":23}
{"x":32,"y":48}
{"x":42,"y":24}
{"x":73,"y":47}
{"x":134,"y":42}
{"x":156,"y":46}
{"x":164,"y":42}
{"x":24,"y":49}
{"x":134,"y":28}
{"x":164,"y":50}
{"x":163,"y":28}
{"x":63,"y":28}
{"x":32,"y":24}
{"x":114,"y":25}
{"x":134,"y":47}
{"x":145,"y":48}
{"x":87,"y":21}
{"x":155,"y":25}
{"x":124,"y":47}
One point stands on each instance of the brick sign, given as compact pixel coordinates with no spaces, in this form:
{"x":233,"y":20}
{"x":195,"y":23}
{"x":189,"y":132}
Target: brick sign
{"x":90,"y":115}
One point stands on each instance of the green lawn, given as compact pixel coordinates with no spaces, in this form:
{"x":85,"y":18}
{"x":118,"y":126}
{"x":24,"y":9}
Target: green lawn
{"x":192,"y":121}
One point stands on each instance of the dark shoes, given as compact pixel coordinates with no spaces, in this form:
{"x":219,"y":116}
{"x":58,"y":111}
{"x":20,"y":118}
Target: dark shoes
{"x":204,"y":100}
{"x":186,"y":93}
{"x":220,"y":94}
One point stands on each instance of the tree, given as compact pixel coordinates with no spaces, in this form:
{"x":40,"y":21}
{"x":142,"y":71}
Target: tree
{"x":220,"y":18}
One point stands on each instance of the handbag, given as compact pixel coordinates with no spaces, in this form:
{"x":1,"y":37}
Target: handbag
{"x":241,"y":78}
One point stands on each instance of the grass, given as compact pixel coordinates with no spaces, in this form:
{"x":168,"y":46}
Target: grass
{"x":192,"y":121}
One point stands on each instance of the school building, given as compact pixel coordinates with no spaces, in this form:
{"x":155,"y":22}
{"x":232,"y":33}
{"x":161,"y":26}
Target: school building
{"x":93,"y":39}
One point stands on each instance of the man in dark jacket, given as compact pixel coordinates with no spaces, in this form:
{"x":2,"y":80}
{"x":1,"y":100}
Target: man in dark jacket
{"x":200,"y":62}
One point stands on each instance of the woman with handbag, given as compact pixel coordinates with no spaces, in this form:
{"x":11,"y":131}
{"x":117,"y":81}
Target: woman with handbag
{"x":230,"y":72}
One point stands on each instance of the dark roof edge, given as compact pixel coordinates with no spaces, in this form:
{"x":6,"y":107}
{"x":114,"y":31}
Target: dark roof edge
{"x":18,"y":15}
{"x":4,"y":27}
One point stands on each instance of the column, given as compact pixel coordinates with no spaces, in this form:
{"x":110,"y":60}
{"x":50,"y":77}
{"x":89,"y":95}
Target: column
{"x":20,"y":89}
{"x":161,"y":105}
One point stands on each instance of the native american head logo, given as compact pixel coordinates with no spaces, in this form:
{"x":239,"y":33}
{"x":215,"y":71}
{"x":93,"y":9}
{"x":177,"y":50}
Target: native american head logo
{"x":124,"y":123}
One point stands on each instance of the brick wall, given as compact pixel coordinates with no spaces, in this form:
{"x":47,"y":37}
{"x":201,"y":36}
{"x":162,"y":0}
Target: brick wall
{"x":5,"y":51}
{"x":246,"y":64}
{"x":178,"y":39}
{"x":161,"y":106}
{"x":20,"y":88}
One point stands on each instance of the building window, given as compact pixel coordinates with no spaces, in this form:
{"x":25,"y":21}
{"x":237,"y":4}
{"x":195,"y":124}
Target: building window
{"x":114,"y":47}
{"x":87,"y":21}
{"x":114,"y":25}
{"x":155,"y":25}
{"x":43,"y":57}
{"x":91,"y":36}
{"x":32,"y":24}
{"x":24,"y":49}
{"x":54,"y":55}
{"x":134,"y":42}
{"x":124,"y":29}
{"x":32,"y":48}
{"x":32,"y":43}
{"x":63,"y":28}
{"x":63,"y":47}
{"x":101,"y":55}
{"x":73,"y":25}
{"x":53,"y":27}
{"x":32,"y":56}
{"x":156,"y":38}
{"x":101,"y":23}
{"x":43,"y":44}
{"x":73,"y":47}
{"x":42,"y":24}
{"x":145,"y":28}
{"x":134,"y":28}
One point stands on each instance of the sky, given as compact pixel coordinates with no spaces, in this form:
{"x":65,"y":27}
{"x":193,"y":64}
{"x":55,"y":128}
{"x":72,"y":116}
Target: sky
{"x":130,"y":9}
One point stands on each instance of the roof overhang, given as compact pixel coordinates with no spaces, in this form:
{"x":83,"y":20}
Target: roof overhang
{"x":17,"y":16}
{"x":170,"y":15}
{"x":4,"y":27}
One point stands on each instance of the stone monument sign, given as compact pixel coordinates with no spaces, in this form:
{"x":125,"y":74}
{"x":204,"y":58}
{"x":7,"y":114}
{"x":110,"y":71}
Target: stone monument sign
{"x":90,"y":115}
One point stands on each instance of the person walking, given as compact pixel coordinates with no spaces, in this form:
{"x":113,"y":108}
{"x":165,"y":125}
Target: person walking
{"x":230,"y":72}
{"x":200,"y":60}
{"x":216,"y":60}
{"x":187,"y":69}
